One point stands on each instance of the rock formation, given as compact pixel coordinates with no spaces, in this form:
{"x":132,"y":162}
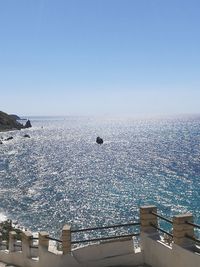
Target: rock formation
{"x":28,"y":124}
{"x":9,"y":138}
{"x":15,"y":117}
{"x":9,"y":122}
{"x":99,"y":140}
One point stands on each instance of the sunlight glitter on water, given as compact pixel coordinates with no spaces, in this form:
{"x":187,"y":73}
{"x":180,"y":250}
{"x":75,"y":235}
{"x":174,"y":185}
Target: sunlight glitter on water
{"x":60,"y":175}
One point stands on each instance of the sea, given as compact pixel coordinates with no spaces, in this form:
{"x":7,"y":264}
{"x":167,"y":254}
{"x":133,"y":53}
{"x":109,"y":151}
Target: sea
{"x":60,"y":175}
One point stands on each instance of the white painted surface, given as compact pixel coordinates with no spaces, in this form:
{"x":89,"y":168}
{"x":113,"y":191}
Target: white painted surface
{"x":113,"y":253}
{"x":158,"y":254}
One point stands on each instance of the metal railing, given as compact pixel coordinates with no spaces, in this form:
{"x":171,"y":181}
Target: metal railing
{"x":102,"y":238}
{"x":192,"y":237}
{"x":18,"y":246}
{"x":4,"y":243}
{"x":161,"y":230}
{"x":106,"y":227}
{"x":34,"y":246}
{"x":193,"y":224}
{"x":163,"y":218}
{"x":34,"y":238}
{"x":54,"y":239}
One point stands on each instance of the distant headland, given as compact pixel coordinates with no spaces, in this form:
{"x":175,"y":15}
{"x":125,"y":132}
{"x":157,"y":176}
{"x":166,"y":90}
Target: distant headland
{"x":10,"y":122}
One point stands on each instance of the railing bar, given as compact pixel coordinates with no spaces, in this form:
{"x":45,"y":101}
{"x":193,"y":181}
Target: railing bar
{"x":104,"y":238}
{"x":193,"y":224}
{"x":34,"y":238}
{"x":16,"y":245}
{"x":105,"y":227}
{"x":54,"y":239}
{"x":192,"y":238}
{"x":161,"y":217}
{"x":33,"y":246}
{"x":154,"y":226}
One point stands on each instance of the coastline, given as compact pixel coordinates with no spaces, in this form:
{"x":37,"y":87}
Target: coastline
{"x":11,"y":122}
{"x":8,"y":226}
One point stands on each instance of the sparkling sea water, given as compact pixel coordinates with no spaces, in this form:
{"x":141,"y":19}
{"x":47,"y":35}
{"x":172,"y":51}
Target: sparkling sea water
{"x":60,"y":175}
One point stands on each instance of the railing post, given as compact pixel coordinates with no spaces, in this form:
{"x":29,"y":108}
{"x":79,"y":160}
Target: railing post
{"x":3,"y":243}
{"x":12,"y":239}
{"x":66,"y":239}
{"x":43,"y":242}
{"x":147,"y":218}
{"x":0,"y":241}
{"x":181,"y":229}
{"x":26,"y":243}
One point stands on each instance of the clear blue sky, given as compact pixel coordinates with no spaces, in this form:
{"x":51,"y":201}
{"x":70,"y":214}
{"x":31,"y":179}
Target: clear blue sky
{"x":115,"y":57}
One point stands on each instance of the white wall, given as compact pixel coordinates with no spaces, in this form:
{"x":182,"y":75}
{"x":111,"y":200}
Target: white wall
{"x":158,"y":254}
{"x":119,"y":252}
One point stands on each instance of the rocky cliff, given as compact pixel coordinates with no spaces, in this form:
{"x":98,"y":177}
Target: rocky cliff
{"x":9,"y":122}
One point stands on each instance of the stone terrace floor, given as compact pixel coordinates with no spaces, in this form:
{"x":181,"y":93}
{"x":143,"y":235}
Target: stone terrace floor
{"x":2,"y":264}
{"x":128,"y":266}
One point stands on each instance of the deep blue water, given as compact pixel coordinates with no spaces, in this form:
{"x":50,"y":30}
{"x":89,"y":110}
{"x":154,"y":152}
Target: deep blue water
{"x":60,"y":175}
